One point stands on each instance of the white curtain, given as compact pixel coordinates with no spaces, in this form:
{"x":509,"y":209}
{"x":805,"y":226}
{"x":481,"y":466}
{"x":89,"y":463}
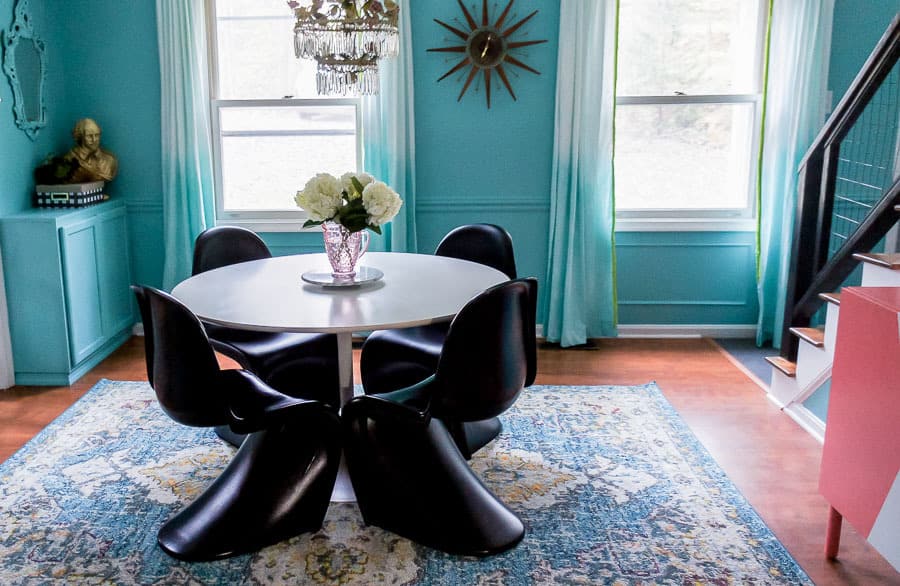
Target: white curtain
{"x":581,"y":271}
{"x":7,"y":371}
{"x":389,"y":136}
{"x":187,"y":169}
{"x":799,"y":50}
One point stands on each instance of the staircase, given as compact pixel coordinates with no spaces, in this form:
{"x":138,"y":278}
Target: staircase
{"x":795,"y":381}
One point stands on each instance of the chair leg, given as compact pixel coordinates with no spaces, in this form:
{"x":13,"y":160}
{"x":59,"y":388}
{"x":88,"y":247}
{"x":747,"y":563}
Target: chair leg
{"x":411,"y":479}
{"x":225,"y":434}
{"x":471,"y":436}
{"x":278,"y":485}
{"x":480,"y":433}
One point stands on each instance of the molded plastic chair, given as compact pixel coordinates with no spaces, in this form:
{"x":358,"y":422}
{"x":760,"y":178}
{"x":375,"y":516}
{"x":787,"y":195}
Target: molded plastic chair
{"x":280,"y":481}
{"x":300,"y":365}
{"x":392,"y":359}
{"x":402,"y":447}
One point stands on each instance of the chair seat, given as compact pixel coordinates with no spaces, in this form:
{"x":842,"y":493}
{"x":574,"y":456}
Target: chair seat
{"x":393,"y":359}
{"x":299,"y":365}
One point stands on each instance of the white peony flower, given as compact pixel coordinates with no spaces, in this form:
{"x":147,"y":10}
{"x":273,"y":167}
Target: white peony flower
{"x":363,"y":178}
{"x":321,"y":197}
{"x":381,"y":202}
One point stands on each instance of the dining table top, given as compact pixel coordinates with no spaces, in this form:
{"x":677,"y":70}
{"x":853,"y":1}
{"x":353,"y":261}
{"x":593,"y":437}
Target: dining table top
{"x":271,"y":295}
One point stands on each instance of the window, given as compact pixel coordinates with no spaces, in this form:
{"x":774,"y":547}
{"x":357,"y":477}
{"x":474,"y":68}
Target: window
{"x":687,"y":108}
{"x":271,"y":130}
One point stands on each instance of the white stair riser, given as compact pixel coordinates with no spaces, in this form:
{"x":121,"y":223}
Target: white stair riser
{"x":831,"y":322}
{"x":783,"y":388}
{"x":811,"y":363}
{"x":876,"y":276}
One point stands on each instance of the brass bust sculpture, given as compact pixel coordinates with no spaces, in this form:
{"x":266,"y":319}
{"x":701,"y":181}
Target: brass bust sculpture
{"x":95,"y":164}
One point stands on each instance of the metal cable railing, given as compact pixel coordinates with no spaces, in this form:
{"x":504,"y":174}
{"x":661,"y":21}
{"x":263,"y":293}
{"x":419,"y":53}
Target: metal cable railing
{"x":866,"y":162}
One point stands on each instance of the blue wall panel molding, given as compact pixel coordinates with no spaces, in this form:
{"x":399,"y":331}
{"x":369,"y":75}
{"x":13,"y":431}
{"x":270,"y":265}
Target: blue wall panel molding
{"x":472,"y":205}
{"x":686,"y":278}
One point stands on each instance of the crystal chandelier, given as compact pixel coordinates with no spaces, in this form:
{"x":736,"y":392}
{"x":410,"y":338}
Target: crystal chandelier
{"x":347,"y":38}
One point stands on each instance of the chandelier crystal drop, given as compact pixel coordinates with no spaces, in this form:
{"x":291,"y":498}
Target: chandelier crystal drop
{"x":347,"y":39}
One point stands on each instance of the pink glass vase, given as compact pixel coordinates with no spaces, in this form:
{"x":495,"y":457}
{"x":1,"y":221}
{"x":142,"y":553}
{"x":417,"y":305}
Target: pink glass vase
{"x":344,"y":249}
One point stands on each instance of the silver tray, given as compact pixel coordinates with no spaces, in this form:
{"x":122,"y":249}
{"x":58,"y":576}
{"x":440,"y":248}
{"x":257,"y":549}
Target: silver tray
{"x":326,"y":279}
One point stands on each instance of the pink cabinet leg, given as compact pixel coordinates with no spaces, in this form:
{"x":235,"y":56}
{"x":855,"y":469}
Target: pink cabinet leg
{"x":833,"y":533}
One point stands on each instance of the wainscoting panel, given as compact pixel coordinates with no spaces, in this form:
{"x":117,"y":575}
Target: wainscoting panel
{"x":526,"y":222}
{"x":686,"y":278}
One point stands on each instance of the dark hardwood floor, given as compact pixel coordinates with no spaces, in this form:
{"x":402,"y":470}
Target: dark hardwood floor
{"x":768,"y":456}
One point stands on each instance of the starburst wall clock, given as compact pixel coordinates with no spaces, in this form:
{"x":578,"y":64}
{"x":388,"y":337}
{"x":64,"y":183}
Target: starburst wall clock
{"x":487,"y":47}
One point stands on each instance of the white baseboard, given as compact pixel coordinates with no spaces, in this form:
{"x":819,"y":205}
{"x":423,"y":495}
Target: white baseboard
{"x":687,"y":331}
{"x":807,"y":420}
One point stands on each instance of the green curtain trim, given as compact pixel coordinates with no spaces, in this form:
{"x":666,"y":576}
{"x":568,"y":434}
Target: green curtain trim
{"x":615,"y":271}
{"x":762,"y":141}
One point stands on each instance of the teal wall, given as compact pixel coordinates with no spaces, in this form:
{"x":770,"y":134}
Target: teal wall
{"x":473,"y":164}
{"x":858,"y":24}
{"x":19,"y":155}
{"x":114,"y":78}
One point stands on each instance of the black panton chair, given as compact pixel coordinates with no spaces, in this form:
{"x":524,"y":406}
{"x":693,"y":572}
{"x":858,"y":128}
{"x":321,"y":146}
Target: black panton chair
{"x":407,"y":471}
{"x":300,"y":365}
{"x":280,"y":480}
{"x":392,"y":359}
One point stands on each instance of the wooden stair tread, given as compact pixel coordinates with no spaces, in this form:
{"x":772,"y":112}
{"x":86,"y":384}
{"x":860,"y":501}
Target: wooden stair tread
{"x":815,"y":336}
{"x":831,"y":297}
{"x":786,"y":366}
{"x":888,"y":261}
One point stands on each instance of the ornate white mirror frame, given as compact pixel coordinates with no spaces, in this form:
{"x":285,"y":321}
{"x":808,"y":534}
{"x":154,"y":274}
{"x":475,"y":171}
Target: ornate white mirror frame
{"x":24,"y":63}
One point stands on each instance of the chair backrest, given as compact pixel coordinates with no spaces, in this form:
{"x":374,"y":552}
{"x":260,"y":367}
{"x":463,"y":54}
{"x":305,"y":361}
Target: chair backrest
{"x":489,"y":354}
{"x":184,"y":369}
{"x":226,"y":245}
{"x":487,"y":244}
{"x":140,"y":294}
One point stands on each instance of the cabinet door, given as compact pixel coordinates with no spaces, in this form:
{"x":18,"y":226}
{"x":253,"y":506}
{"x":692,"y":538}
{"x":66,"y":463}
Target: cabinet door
{"x":78,"y":244}
{"x":113,"y":273}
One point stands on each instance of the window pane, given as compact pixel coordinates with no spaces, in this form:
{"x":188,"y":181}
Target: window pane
{"x":693,"y":47}
{"x":684,"y":156}
{"x":300,"y":119}
{"x":265,"y":172}
{"x":255,"y":43}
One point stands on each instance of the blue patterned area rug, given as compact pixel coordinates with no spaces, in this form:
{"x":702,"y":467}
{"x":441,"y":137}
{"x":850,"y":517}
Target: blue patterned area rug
{"x":611,"y":484}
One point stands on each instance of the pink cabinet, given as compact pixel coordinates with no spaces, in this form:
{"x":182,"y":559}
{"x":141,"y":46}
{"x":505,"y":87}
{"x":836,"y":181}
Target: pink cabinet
{"x":860,"y":475}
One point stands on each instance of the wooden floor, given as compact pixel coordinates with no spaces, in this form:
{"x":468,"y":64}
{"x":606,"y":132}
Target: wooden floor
{"x":770,"y":459}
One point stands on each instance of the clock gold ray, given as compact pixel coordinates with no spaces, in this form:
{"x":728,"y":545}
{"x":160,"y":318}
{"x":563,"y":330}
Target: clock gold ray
{"x":487,"y":47}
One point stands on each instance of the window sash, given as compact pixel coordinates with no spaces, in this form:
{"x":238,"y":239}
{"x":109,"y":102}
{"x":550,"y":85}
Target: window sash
{"x":262,"y":220}
{"x":640,"y":219}
{"x":290,"y":216}
{"x":748,"y":211}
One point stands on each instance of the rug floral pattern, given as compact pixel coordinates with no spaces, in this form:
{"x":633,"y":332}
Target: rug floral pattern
{"x":612,"y":486}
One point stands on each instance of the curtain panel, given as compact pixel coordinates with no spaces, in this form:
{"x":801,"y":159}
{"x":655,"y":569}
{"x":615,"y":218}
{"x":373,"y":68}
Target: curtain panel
{"x":187,"y":168}
{"x":389,"y":139}
{"x":581,"y":288}
{"x":796,"y":86}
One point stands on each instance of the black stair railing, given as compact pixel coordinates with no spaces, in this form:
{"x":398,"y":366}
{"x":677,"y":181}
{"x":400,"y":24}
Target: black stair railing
{"x":845,"y":202}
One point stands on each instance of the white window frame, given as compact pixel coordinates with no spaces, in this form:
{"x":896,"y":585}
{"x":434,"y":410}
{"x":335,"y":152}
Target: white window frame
{"x":262,"y":220}
{"x":706,"y":219}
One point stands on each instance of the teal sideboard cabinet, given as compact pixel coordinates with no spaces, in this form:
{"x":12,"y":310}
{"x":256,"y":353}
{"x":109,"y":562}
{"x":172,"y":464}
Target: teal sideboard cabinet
{"x":67,"y":278}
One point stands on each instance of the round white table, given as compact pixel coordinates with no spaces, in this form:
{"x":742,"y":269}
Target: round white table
{"x":269,"y":295}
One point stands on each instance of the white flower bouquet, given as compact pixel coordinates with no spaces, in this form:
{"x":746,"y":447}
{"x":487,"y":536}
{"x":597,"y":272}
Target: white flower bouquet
{"x":356,"y":201}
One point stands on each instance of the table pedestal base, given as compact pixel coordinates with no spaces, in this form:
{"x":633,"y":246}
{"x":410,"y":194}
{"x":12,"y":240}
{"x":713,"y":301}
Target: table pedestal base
{"x":343,"y":488}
